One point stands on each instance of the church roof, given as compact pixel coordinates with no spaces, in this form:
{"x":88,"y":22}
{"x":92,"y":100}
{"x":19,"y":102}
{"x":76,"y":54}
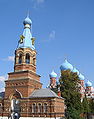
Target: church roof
{"x":81,"y":77}
{"x":26,"y":38}
{"x":41,"y":93}
{"x":27,"y":21}
{"x":75,"y":71}
{"x":53,"y":74}
{"x":88,"y":84}
{"x":66,"y":66}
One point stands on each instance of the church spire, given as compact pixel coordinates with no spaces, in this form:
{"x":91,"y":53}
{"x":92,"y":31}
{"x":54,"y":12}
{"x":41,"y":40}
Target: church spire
{"x":25,"y":54}
{"x":26,"y":38}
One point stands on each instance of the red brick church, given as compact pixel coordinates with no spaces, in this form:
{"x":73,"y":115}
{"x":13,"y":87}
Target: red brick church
{"x":24,"y":95}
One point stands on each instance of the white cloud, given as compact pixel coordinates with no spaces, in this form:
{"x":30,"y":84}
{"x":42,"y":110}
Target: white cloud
{"x":2,"y":83}
{"x":37,"y":3}
{"x":9,"y":58}
{"x":3,"y":78}
{"x":2,"y":89}
{"x":52,"y":34}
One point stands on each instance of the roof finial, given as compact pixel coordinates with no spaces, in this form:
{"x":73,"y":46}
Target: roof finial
{"x":65,"y":58}
{"x":28,"y":13}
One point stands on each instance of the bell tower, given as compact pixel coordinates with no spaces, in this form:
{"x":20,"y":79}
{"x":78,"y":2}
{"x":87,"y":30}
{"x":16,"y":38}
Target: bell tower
{"x":25,"y":54}
{"x":25,"y":59}
{"x":24,"y":78}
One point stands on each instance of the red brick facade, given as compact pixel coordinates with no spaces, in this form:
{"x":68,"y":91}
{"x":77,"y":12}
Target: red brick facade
{"x":24,"y":81}
{"x":20,"y":85}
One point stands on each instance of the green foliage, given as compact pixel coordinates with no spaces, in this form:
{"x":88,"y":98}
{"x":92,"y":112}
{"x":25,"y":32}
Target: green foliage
{"x":91,"y":105}
{"x":85,"y":104}
{"x":69,"y":87}
{"x":70,"y":91}
{"x":72,"y":113}
{"x":88,"y":107}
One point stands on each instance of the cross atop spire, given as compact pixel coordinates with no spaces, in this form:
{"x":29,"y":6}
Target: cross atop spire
{"x":28,"y":13}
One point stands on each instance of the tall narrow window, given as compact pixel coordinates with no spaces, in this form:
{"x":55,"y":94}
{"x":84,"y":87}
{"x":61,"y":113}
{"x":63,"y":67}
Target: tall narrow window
{"x":45,"y":108}
{"x":20,"y":58}
{"x":34,"y":61}
{"x":33,"y":108}
{"x":0,"y":104}
{"x":27,"y":58}
{"x":39,"y":108}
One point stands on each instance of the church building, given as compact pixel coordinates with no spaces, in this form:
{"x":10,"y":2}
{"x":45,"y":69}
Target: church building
{"x":85,"y":89}
{"x":24,"y":96}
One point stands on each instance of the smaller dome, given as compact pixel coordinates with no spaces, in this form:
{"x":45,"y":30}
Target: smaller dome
{"x":88,"y":84}
{"x":66,"y":66}
{"x":75,"y":71}
{"x":81,"y":77}
{"x":53,"y":75}
{"x":27,"y":21}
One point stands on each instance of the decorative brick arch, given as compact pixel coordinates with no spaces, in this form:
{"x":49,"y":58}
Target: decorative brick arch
{"x":15,"y":95}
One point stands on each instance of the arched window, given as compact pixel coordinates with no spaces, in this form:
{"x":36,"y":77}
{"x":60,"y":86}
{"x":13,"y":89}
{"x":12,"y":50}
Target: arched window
{"x":20,"y":58}
{"x":16,"y":95}
{"x":45,"y":108}
{"x":34,"y":61}
{"x":39,"y":108}
{"x":33,"y":108}
{"x":27,"y":58}
{"x":0,"y":104}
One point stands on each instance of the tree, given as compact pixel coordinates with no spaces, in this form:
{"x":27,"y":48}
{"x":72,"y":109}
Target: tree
{"x":91,"y":104}
{"x":70,"y":91}
{"x":72,"y":113}
{"x":86,"y":107}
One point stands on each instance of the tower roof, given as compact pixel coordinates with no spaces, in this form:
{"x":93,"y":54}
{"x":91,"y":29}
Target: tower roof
{"x":88,"y":84}
{"x":75,"y":71}
{"x":26,"y":38}
{"x":81,"y":77}
{"x":27,"y":21}
{"x":53,"y":74}
{"x":66,"y":66}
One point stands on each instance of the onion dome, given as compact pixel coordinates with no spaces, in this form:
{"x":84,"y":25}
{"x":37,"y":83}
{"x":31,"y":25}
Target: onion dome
{"x":26,"y":40}
{"x":66,"y":66}
{"x":27,"y":21}
{"x":81,"y":77}
{"x":88,"y":84}
{"x":75,"y":71}
{"x":53,"y":75}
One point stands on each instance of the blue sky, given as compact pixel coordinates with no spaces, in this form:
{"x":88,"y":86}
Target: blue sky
{"x":63,"y":28}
